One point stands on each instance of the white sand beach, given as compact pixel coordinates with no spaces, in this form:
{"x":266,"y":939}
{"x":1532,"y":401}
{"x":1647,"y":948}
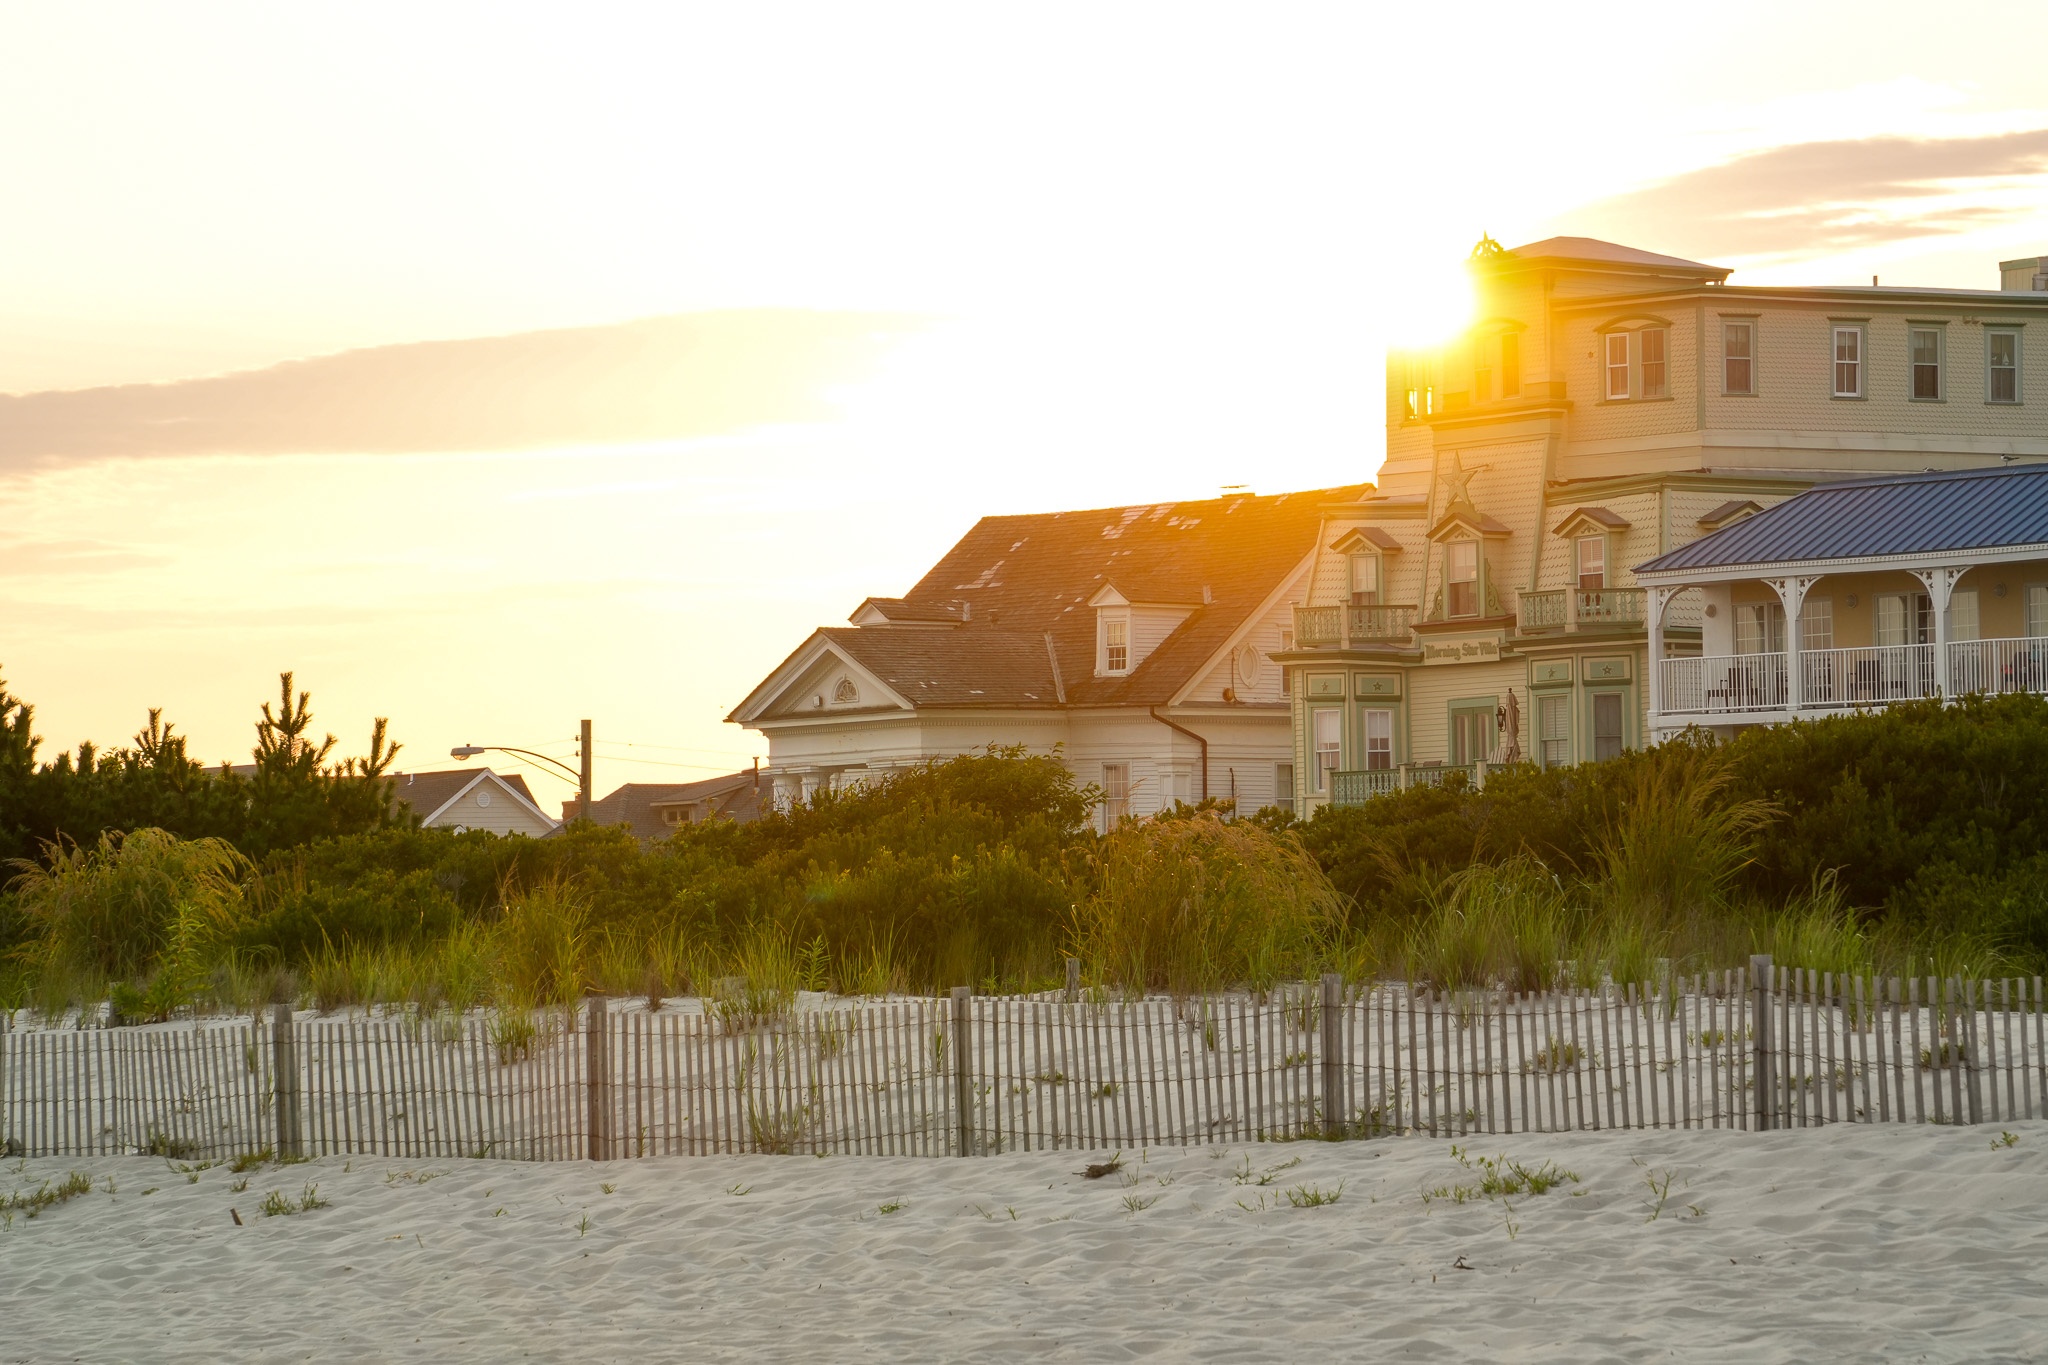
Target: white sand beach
{"x":1845,"y":1243}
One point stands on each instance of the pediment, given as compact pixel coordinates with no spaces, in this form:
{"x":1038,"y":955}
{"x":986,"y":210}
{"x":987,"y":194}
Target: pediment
{"x":1466,"y":520}
{"x":1365,"y":540}
{"x":1590,"y":521}
{"x":820,"y":679}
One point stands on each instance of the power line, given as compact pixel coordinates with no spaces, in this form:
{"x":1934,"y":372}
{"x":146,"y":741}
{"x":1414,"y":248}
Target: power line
{"x":663,"y":763}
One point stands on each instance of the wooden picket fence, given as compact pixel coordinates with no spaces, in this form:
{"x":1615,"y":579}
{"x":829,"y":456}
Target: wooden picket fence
{"x":1767,"y":1048}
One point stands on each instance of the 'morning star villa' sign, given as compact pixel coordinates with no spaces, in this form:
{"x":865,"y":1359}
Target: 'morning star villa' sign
{"x":1471,"y":649}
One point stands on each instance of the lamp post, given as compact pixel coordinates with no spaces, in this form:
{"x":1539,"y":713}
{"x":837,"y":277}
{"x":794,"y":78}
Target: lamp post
{"x":581,"y":779}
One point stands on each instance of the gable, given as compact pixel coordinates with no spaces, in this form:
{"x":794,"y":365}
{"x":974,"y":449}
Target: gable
{"x":822,"y":678}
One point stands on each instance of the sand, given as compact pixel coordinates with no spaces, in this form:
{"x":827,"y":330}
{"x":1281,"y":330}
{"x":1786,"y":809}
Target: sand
{"x":1847,"y":1243}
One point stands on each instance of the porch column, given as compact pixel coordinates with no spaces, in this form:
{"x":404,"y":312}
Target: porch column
{"x":1658,"y":599}
{"x":1941,"y":586}
{"x":1792,"y":592}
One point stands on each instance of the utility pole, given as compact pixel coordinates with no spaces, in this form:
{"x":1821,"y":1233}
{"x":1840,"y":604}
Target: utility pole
{"x":583,"y":795}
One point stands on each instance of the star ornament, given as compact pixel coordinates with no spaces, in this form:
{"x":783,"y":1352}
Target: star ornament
{"x":1458,"y":479}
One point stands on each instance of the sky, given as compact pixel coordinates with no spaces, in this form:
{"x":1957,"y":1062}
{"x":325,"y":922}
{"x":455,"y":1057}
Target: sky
{"x":496,"y":366}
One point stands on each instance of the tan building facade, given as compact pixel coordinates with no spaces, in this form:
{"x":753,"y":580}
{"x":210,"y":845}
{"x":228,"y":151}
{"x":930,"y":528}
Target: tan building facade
{"x":1479,"y":605}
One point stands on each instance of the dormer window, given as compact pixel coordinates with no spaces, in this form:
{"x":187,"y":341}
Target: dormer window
{"x":1592,"y":562}
{"x":1116,"y":643}
{"x":1463,"y":577}
{"x":1365,"y":580}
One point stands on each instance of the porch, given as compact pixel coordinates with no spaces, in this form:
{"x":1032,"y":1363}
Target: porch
{"x":1760,"y":686}
{"x":1857,"y":595}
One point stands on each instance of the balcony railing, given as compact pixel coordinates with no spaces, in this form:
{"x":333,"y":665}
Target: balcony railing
{"x":1379,"y":625}
{"x":1581,"y":609}
{"x":1832,"y":679}
{"x":1995,"y":667}
{"x":1332,"y":627}
{"x":1541,"y":610}
{"x":1356,"y":787}
{"x":1610,"y":606}
{"x":1722,"y":684}
{"x":1318,"y":627}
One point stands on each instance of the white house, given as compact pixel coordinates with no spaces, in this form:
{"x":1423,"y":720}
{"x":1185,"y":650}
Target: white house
{"x":464,"y":799}
{"x":1138,"y":642}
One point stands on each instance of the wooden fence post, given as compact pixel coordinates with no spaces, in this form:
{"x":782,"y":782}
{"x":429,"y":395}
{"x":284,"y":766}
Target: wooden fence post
{"x":598,"y":1078}
{"x":1333,"y":1059}
{"x":1073,"y":979}
{"x":284,"y":1058}
{"x":1760,"y":1040}
{"x":963,"y":1083}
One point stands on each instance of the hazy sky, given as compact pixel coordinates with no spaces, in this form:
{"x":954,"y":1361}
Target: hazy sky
{"x":907,"y":265}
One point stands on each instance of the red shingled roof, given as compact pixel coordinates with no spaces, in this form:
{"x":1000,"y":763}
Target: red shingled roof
{"x":1018,"y":579}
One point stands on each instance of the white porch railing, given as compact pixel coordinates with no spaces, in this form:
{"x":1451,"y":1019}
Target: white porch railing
{"x":1998,"y":666}
{"x":1723,"y":683}
{"x":1831,"y":679}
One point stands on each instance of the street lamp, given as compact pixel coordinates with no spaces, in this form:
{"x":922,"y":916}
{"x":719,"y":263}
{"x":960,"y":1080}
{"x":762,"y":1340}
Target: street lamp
{"x":582,"y":779}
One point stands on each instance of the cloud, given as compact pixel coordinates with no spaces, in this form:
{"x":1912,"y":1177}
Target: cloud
{"x":1817,"y":197}
{"x":695,"y":374}
{"x":20,"y":558}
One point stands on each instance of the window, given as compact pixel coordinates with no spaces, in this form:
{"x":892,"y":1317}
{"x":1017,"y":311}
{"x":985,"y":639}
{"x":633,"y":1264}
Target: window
{"x":1286,"y":638}
{"x":1848,"y":362}
{"x":1554,"y":729}
{"x":1471,"y":734}
{"x":1365,"y":580}
{"x":1283,"y":784}
{"x":1116,"y":644}
{"x":2037,"y":609}
{"x":1962,"y":616}
{"x":1904,"y":618}
{"x":2002,"y":373}
{"x":1592,"y":557}
{"x":1379,"y":739}
{"x":1924,"y":346}
{"x":1617,"y":364}
{"x":1738,"y":357}
{"x":1817,"y":623}
{"x":1759,"y":628}
{"x":1482,"y":371}
{"x":1606,"y":725}
{"x":1650,"y":347}
{"x":1464,"y":577}
{"x":1510,"y":365}
{"x":1328,"y":736}
{"x":1116,"y":793}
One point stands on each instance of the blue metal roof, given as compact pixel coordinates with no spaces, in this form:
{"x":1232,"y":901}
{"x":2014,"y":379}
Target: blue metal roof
{"x":1967,"y":509}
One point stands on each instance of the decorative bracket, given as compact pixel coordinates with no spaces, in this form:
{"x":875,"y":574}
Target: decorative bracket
{"x":1792,"y":592}
{"x":1940,"y":584}
{"x":1660,"y":598}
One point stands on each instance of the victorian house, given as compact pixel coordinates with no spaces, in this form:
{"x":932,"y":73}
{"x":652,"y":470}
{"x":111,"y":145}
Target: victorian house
{"x":1138,"y":643}
{"x":1571,"y":546}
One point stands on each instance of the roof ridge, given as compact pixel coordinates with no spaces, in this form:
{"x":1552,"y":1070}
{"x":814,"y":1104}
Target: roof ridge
{"x":1932,"y":476}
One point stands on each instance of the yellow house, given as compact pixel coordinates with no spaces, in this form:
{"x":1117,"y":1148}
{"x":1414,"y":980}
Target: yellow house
{"x":1609,"y":406}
